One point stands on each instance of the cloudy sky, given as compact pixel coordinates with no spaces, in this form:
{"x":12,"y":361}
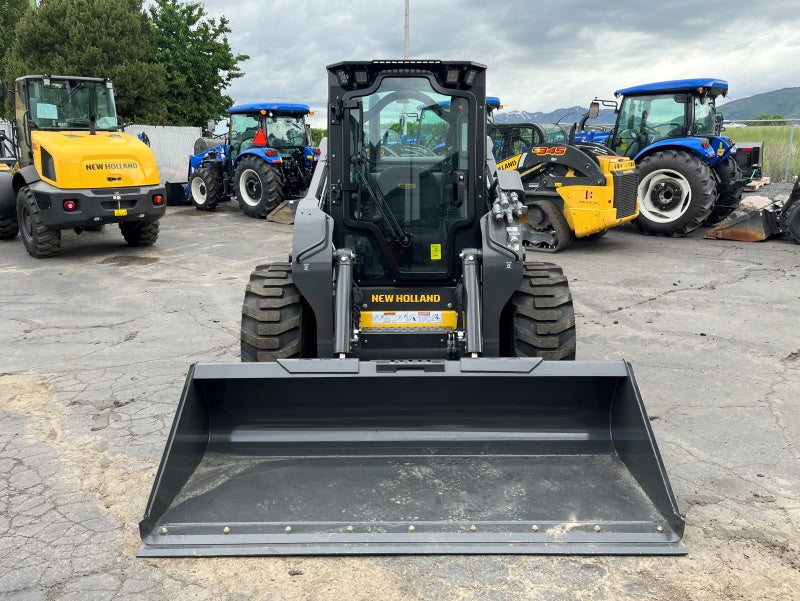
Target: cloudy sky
{"x":541,"y":55}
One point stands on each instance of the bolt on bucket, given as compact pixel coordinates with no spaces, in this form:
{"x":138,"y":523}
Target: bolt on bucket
{"x":341,"y":456}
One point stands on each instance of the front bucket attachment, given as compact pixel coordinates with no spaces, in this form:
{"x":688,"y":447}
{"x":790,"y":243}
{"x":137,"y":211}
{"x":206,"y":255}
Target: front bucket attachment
{"x":341,"y":456}
{"x":284,"y":212}
{"x":749,"y":226}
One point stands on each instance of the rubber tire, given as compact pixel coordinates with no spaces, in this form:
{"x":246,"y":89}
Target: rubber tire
{"x":276,"y":322}
{"x":558,"y":226}
{"x":702,"y":192}
{"x":9,"y":228}
{"x":790,"y":221}
{"x":542,"y":314}
{"x":204,"y":189}
{"x":139,"y":233}
{"x":40,"y":241}
{"x":259,"y":186}
{"x":727,"y":171}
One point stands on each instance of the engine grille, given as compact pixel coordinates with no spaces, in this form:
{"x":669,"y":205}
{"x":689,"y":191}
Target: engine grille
{"x":625,"y":189}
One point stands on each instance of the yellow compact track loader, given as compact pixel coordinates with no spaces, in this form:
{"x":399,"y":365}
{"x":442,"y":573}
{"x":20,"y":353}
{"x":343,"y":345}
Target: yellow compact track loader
{"x":77,"y":170}
{"x":408,"y":382}
{"x":571,"y":191}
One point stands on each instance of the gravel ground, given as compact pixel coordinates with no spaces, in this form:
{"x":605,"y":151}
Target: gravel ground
{"x":98,"y":341}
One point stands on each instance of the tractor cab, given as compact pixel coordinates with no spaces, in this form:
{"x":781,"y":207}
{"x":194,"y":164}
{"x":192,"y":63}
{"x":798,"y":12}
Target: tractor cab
{"x":666,"y":110}
{"x":279,"y":126}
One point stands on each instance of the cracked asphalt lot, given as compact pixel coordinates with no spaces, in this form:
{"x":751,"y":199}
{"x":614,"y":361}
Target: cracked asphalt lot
{"x":96,"y":344}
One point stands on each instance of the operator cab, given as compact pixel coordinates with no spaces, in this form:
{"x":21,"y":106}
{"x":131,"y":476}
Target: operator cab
{"x":280,"y":126}
{"x":653,"y":112}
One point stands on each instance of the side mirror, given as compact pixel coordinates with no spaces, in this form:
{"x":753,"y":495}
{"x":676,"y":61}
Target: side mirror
{"x":594,"y":109}
{"x":211,"y":125}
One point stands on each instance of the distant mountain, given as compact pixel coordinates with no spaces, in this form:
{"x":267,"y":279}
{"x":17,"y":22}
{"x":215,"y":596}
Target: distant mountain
{"x":784,"y":102}
{"x":566,"y":116}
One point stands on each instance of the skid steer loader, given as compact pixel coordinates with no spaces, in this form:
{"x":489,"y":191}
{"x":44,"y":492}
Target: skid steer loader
{"x":400,"y":390}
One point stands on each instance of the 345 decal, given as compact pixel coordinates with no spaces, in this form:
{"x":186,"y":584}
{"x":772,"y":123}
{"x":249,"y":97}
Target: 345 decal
{"x":555,"y":151}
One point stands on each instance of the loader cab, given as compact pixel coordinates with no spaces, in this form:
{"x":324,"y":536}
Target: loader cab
{"x":405,"y":209}
{"x":53,"y":103}
{"x":659,"y":111}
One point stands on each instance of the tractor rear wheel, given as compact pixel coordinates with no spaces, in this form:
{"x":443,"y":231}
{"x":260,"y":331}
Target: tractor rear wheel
{"x":40,"y":240}
{"x":676,"y":193}
{"x":259,"y":186}
{"x":276,"y":322}
{"x":138,"y":233}
{"x":542,"y":315}
{"x":204,"y":189}
{"x":730,"y":194}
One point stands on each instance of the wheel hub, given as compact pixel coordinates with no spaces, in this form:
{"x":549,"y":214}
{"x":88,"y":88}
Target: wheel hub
{"x":666,"y":195}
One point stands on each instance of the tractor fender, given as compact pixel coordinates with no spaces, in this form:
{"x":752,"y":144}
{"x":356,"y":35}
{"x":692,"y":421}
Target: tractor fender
{"x":691,"y":145}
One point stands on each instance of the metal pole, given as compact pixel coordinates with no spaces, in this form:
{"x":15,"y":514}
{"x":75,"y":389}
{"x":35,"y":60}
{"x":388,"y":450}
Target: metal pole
{"x":789,"y":153}
{"x":405,"y":46}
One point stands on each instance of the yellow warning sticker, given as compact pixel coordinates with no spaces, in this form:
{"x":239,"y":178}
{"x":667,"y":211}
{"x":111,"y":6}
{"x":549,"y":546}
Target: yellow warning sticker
{"x":436,"y":252}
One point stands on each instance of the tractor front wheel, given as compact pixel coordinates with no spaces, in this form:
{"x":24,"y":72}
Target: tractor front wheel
{"x":676,"y":193}
{"x":259,"y":186}
{"x":730,"y":190}
{"x":791,"y":220}
{"x":204,"y":189}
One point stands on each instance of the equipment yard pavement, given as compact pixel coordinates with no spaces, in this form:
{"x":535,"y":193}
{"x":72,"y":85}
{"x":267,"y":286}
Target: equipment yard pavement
{"x":96,"y":344}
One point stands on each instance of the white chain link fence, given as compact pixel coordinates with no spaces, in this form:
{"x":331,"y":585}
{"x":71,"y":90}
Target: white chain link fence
{"x":781,"y":144}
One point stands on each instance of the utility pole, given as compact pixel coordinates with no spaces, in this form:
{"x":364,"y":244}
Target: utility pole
{"x":405,"y":46}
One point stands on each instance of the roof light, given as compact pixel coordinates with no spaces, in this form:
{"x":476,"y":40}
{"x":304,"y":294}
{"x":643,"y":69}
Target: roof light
{"x":470,"y":78}
{"x":260,"y":139}
{"x":344,"y":77}
{"x":451,"y":77}
{"x":361,"y":77}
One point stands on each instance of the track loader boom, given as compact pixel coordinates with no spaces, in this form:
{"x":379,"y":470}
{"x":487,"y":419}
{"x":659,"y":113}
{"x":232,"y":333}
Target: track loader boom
{"x":408,"y":382}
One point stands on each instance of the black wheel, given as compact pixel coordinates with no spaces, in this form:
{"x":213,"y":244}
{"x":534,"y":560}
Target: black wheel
{"x":542,"y":316}
{"x":676,"y":193}
{"x":204,"y":189}
{"x":259,"y":186}
{"x":730,"y":190}
{"x":546,"y":221}
{"x":40,"y":240}
{"x":276,"y":322}
{"x":9,"y":228}
{"x":139,"y":233}
{"x":790,"y":220}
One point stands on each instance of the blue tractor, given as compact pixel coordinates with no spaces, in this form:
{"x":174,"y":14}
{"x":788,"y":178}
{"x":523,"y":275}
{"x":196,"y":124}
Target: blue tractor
{"x":688,"y":175}
{"x":267,"y":156}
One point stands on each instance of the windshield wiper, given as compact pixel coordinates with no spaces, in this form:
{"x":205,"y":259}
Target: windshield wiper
{"x":395,"y":229}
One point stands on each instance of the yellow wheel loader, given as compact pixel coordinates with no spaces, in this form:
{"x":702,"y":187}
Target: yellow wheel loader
{"x":572,"y":191}
{"x":77,"y":169}
{"x":408,"y":380}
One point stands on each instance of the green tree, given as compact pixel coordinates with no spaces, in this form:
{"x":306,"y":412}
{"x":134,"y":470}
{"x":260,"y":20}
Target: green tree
{"x":93,"y":38}
{"x":198,"y":60}
{"x":771,"y":119}
{"x":11,"y":12}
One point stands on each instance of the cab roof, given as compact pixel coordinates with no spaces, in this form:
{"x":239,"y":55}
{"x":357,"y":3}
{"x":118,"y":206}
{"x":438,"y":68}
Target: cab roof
{"x":275,"y":107}
{"x":711,"y":85}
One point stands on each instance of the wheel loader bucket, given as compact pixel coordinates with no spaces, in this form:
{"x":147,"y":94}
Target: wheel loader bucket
{"x":341,"y":456}
{"x":749,"y":226}
{"x":284,"y":212}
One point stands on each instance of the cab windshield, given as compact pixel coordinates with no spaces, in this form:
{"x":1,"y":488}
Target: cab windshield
{"x":647,"y":119}
{"x":409,"y":146}
{"x":54,"y":103}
